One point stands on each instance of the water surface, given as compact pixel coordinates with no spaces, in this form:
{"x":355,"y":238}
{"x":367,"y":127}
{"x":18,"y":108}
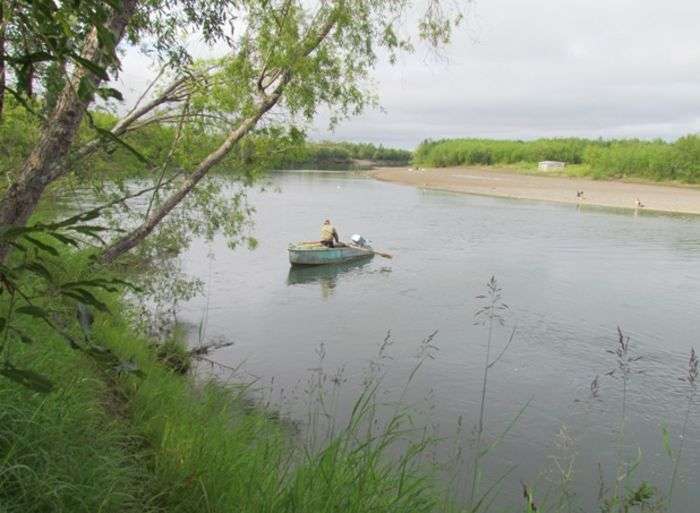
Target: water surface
{"x":570,"y":276}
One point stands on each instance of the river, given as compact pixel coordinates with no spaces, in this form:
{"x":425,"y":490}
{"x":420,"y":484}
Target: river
{"x":570,"y":276}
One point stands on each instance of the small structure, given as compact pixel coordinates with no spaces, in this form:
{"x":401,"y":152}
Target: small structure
{"x":550,"y":165}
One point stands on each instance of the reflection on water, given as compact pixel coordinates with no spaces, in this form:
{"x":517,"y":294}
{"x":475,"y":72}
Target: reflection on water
{"x":326,"y":275}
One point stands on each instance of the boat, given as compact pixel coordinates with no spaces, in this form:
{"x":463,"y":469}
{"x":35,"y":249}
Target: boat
{"x":317,"y":254}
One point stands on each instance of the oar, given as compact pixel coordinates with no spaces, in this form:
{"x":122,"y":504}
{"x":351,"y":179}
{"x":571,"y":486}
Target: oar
{"x":384,"y":255}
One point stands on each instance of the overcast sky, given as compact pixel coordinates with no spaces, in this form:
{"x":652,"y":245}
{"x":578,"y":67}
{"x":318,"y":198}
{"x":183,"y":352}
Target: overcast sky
{"x":622,"y":68}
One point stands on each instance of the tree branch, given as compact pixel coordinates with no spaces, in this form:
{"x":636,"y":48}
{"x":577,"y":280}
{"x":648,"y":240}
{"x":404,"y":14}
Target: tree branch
{"x":136,"y":236}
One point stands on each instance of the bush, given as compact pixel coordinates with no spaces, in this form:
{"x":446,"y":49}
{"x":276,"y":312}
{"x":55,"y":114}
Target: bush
{"x":653,"y":160}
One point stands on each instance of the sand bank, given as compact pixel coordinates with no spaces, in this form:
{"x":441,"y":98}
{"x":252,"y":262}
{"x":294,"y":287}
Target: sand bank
{"x":508,"y":184}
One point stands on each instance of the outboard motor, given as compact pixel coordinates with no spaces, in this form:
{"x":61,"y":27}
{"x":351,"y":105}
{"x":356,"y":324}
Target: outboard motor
{"x":359,"y":240}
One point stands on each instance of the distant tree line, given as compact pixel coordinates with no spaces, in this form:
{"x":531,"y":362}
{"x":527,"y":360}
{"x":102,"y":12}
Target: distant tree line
{"x":614,"y":158}
{"x":343,"y":154}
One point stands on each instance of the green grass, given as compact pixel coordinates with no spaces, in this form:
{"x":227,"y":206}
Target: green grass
{"x":102,"y":441}
{"x":600,"y":159}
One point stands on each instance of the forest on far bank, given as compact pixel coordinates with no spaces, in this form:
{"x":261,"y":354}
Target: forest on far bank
{"x":598,"y":158}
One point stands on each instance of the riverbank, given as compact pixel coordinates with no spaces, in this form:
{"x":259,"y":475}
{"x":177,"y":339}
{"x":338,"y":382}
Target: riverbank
{"x":500,"y":182}
{"x":110,"y":425}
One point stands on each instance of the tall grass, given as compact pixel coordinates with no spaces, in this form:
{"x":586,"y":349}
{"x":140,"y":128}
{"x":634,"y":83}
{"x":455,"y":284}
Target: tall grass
{"x":654,"y":160}
{"x":691,"y":379}
{"x":153,"y":440}
{"x":110,"y":440}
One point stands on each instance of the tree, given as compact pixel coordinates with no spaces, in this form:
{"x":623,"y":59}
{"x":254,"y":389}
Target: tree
{"x":2,"y":57}
{"x":46,"y":161}
{"x":286,"y":58}
{"x":85,"y":35}
{"x":293,"y":59}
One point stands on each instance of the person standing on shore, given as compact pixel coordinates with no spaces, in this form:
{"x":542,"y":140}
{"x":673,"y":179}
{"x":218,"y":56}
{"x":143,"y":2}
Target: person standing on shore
{"x":329,"y":235}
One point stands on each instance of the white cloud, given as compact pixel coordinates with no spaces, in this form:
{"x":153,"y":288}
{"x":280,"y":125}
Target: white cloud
{"x":543,"y":68}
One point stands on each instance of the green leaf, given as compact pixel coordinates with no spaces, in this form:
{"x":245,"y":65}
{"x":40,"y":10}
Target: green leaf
{"x":109,"y":92}
{"x":18,"y":246}
{"x":81,"y":217}
{"x":33,"y":311}
{"x":30,"y":58}
{"x":86,"y":297}
{"x":12,"y":232}
{"x":27,"y":378}
{"x":118,"y":140}
{"x":39,"y":269}
{"x":89,"y":229}
{"x":98,"y":70}
{"x":85,"y":88}
{"x":107,"y":285}
{"x":62,"y":238}
{"x":106,"y":38}
{"x":42,"y":245}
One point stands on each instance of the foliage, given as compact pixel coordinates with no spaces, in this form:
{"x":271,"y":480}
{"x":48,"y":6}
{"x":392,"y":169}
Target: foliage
{"x":174,"y":354}
{"x":40,"y":32}
{"x":36,"y":289}
{"x":329,"y":153}
{"x":68,"y":450}
{"x":18,"y":133}
{"x":105,"y":440}
{"x":43,"y":38}
{"x":655,"y":160}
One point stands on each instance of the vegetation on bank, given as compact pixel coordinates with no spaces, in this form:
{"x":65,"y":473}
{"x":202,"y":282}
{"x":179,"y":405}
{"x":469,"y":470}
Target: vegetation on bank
{"x":324,"y":154}
{"x":263,"y":151}
{"x":122,"y":430}
{"x":138,"y":436}
{"x":93,"y":418}
{"x":597,"y":158}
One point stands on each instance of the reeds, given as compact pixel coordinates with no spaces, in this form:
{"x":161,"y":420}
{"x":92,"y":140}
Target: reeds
{"x":691,"y":379}
{"x":490,"y":315}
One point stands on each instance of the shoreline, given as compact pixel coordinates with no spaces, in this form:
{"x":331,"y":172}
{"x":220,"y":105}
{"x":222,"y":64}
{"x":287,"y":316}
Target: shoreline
{"x":504,"y":183}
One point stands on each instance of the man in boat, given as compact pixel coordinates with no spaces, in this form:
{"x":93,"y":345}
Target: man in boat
{"x":329,"y":235}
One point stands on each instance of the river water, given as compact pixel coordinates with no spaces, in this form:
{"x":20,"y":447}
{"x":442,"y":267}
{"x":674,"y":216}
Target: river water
{"x":570,"y":276}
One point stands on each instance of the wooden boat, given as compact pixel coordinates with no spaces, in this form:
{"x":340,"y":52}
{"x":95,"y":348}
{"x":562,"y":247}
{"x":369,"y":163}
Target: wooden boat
{"x":318,"y":254}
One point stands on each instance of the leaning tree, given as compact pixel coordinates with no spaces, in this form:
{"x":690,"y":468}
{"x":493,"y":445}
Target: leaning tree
{"x":284,"y":60}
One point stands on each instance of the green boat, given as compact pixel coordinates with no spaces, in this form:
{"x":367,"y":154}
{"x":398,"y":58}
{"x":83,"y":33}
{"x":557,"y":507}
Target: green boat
{"x":318,"y":254}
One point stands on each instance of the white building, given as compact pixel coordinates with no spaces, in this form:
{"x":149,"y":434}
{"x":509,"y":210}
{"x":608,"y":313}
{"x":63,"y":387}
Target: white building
{"x":550,"y":165}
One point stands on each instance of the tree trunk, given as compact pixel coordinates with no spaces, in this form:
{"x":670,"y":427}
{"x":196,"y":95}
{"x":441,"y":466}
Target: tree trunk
{"x":43,"y":165}
{"x":135,"y":237}
{"x":2,"y":58}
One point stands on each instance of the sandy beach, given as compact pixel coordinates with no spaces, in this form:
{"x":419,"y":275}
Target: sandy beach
{"x":507,"y":184}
